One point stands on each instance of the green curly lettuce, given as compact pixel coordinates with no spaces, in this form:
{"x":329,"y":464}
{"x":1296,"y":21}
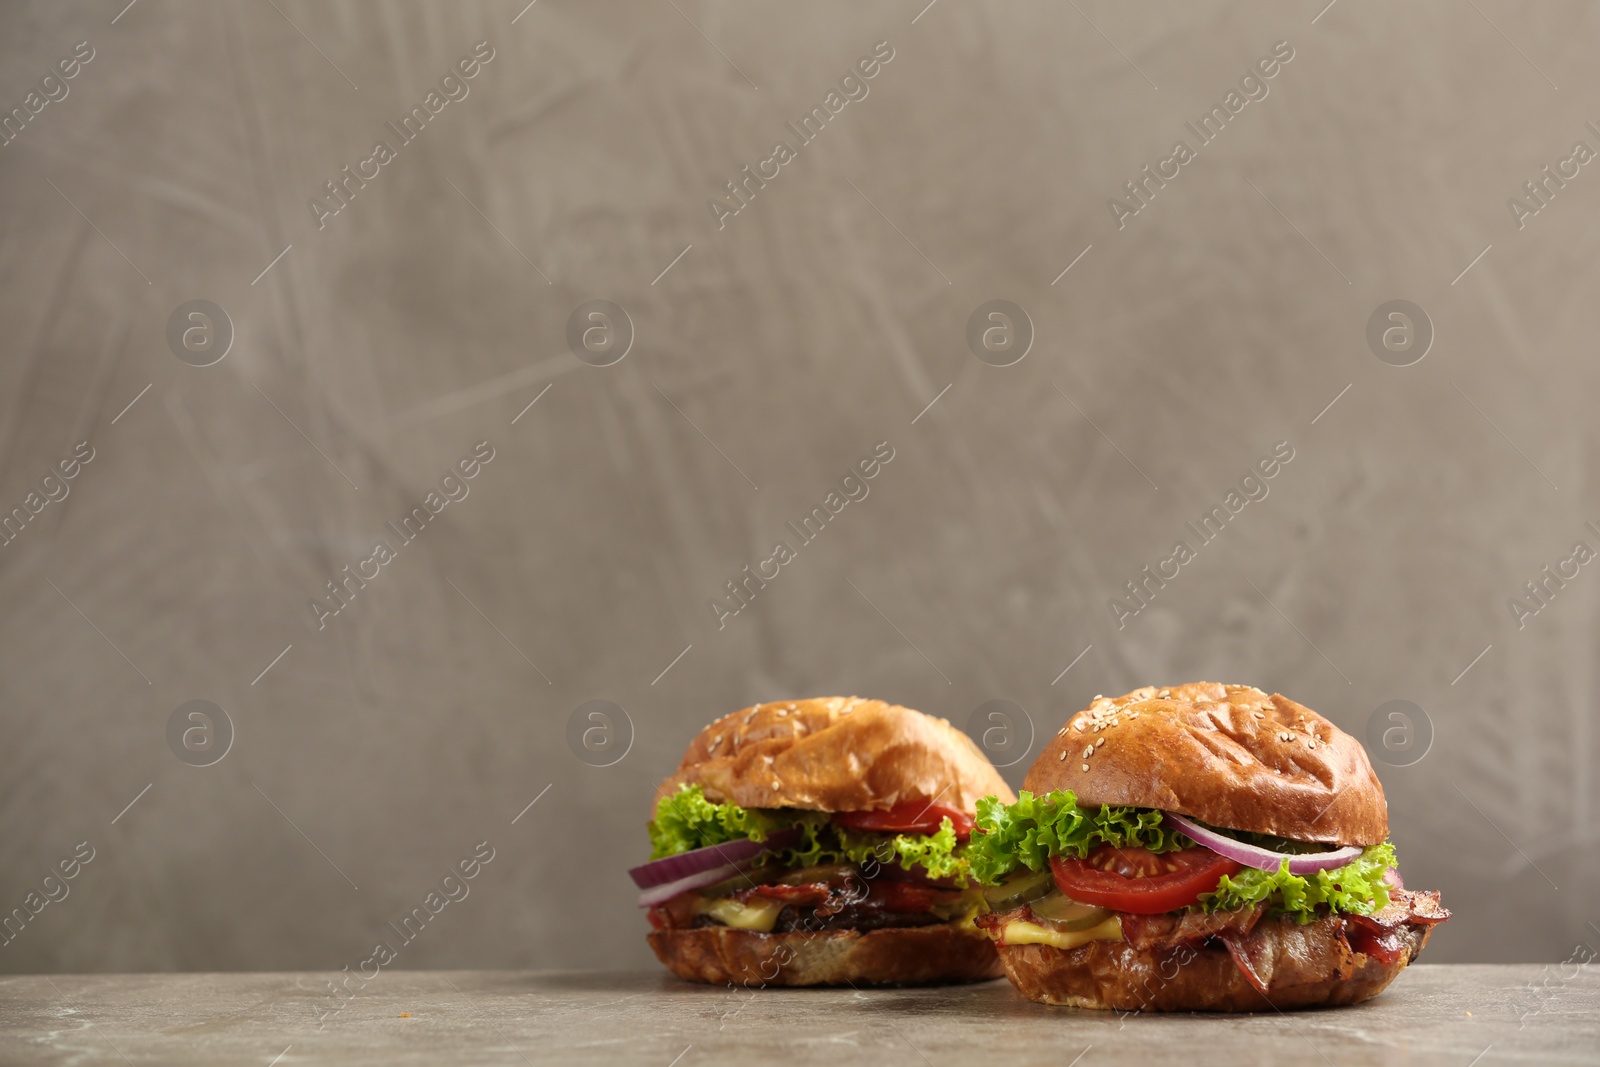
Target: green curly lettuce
{"x":1357,"y":888}
{"x":686,"y":820}
{"x":940,"y":854}
{"x":1035,"y":828}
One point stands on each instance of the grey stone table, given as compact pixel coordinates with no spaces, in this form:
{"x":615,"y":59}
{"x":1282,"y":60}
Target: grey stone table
{"x":1456,"y":1015}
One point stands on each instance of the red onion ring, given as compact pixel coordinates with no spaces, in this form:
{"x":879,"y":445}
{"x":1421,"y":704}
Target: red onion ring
{"x":676,"y":868}
{"x":667,"y":890}
{"x":1262,"y":859}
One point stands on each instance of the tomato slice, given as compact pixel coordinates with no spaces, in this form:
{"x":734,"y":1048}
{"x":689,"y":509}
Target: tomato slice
{"x":1139,"y":881}
{"x":907,"y":817}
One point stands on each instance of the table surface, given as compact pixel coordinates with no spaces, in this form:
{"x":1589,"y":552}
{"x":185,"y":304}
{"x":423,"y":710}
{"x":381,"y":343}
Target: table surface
{"x":1431,"y":1015}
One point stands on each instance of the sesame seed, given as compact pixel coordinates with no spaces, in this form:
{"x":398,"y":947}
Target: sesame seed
{"x":1085,"y":766}
{"x":777,"y":784}
{"x":1165,"y":693}
{"x":782,"y":712}
{"x":1063,"y":755}
{"x":1088,"y":752}
{"x":1100,"y":742}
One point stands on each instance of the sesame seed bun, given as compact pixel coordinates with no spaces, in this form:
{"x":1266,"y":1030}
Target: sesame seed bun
{"x":835,"y":754}
{"x":1230,"y":756}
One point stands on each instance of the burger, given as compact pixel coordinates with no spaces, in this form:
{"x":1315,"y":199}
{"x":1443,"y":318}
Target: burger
{"x":821,"y":842}
{"x":1202,"y":847}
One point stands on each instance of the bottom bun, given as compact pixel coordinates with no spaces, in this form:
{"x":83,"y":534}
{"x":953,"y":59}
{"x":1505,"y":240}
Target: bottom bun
{"x":1301,"y":967}
{"x":916,"y":955}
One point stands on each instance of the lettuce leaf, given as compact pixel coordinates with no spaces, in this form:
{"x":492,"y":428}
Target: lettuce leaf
{"x":686,"y":820}
{"x":939,"y":853}
{"x":1035,"y":828}
{"x":1356,"y":888}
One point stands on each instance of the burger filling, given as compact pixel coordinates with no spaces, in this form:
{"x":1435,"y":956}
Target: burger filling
{"x":1062,"y":875}
{"x":901,"y":867}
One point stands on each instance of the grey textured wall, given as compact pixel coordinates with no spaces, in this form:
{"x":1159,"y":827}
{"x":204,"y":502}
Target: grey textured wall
{"x":425,"y":316}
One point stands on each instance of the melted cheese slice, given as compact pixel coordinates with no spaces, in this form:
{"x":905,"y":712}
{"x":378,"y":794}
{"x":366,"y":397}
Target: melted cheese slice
{"x":759,"y":915}
{"x":1023,"y":933}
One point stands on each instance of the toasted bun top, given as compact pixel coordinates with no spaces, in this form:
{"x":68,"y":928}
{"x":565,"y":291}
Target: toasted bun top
{"x":835,"y":754}
{"x":1228,"y":755}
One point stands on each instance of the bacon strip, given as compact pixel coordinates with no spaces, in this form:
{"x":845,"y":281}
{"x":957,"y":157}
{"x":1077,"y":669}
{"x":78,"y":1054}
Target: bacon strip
{"x":1380,"y":942}
{"x":1239,"y":948}
{"x":1424,"y":908}
{"x":1145,"y":931}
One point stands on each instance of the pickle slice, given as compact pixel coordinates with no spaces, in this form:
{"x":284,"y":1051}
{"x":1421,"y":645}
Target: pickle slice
{"x":831,"y":873}
{"x":1019,"y":889}
{"x":1064,"y":913}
